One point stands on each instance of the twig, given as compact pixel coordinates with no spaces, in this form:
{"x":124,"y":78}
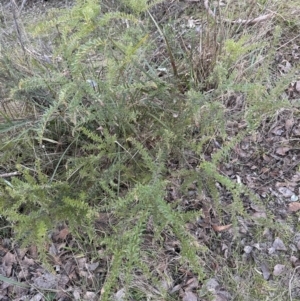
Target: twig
{"x":239,"y":21}
{"x":172,"y":60}
{"x":289,"y":41}
{"x":9,"y":174}
{"x":290,"y":282}
{"x":22,"y":6}
{"x":18,"y":30}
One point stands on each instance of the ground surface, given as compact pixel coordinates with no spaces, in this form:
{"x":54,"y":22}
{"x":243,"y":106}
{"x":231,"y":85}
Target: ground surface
{"x":242,"y":264}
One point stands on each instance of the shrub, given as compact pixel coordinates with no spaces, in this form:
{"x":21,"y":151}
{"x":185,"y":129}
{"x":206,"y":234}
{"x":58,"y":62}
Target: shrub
{"x":111,"y":114}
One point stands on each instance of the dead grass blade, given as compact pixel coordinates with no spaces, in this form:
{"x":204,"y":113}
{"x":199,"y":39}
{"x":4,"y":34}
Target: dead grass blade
{"x":172,"y":59}
{"x":13,"y":282}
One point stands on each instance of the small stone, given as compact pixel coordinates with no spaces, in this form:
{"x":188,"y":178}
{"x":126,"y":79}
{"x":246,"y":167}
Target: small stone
{"x":293,"y":247}
{"x":248,"y":249}
{"x":257,"y":246}
{"x":90,"y":296}
{"x":294,"y":198}
{"x":189,"y":296}
{"x":278,"y":269}
{"x":287,"y":193}
{"x":271,"y":251}
{"x":76,"y":295}
{"x":212,"y":285}
{"x":293,"y":259}
{"x":279,"y":245}
{"x":120,"y":295}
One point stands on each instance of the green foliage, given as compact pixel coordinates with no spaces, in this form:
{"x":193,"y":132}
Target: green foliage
{"x":34,"y":206}
{"x":108,"y":124}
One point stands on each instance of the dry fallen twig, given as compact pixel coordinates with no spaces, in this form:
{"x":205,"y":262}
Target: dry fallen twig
{"x":239,"y":21}
{"x":291,"y":281}
{"x":9,"y":174}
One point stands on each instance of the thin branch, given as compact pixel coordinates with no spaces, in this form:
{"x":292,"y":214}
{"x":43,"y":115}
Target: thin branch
{"x":239,"y":21}
{"x":291,"y":282}
{"x":9,"y":174}
{"x":18,"y":30}
{"x":22,"y":6}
